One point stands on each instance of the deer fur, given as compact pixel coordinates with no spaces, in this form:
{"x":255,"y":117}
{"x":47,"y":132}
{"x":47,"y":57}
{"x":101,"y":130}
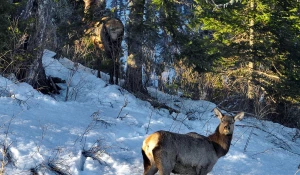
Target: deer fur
{"x":190,"y":153}
{"x":107,"y":36}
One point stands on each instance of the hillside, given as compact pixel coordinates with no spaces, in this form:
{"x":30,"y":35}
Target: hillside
{"x":45,"y":134}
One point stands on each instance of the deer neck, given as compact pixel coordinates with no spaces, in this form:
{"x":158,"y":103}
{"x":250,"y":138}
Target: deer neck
{"x":220,"y":142}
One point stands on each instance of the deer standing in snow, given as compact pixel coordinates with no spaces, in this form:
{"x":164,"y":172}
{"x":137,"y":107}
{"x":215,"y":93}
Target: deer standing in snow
{"x":190,"y":153}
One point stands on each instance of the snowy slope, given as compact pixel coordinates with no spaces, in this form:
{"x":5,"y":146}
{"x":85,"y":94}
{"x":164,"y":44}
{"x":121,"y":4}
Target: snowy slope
{"x":42,"y":132}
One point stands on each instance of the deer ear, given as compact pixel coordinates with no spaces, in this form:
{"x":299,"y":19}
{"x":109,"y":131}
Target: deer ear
{"x":239,"y":116}
{"x":218,"y":113}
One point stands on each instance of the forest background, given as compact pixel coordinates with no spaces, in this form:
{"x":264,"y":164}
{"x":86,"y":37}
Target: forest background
{"x":241,"y":55}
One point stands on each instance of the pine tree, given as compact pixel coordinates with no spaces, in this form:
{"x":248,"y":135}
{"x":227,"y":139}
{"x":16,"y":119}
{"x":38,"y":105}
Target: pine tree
{"x":259,"y":51}
{"x":5,"y":11}
{"x":134,"y":81}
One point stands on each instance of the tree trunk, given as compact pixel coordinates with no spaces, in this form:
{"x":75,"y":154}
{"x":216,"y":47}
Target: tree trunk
{"x":250,"y":93}
{"x":36,"y":75}
{"x":134,"y":80}
{"x":44,"y":35}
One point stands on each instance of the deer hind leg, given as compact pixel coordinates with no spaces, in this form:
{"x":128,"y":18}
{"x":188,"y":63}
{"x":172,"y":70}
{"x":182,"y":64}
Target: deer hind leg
{"x":99,"y":73}
{"x":149,"y":167}
{"x":117,"y":70}
{"x":98,"y":62}
{"x":151,"y":170}
{"x":164,"y":161}
{"x":111,"y":75}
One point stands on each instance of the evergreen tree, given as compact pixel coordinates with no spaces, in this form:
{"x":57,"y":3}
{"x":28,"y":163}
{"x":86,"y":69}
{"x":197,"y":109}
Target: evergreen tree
{"x":259,"y":51}
{"x":5,"y":11}
{"x":135,"y":60}
{"x":252,"y":47}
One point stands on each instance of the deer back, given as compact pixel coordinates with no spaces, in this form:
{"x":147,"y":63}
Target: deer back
{"x":187,"y":149}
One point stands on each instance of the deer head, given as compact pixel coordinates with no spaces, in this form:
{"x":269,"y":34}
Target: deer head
{"x":226,"y":126}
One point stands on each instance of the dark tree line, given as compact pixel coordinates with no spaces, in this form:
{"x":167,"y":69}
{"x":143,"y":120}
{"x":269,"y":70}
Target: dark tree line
{"x":242,"y":55}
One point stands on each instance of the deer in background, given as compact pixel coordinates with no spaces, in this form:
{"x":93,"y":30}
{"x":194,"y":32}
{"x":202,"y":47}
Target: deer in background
{"x":107,"y":34}
{"x":190,"y":153}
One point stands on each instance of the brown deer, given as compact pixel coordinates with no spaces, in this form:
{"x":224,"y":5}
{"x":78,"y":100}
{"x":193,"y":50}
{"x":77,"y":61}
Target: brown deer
{"x":190,"y":153}
{"x":107,"y":35}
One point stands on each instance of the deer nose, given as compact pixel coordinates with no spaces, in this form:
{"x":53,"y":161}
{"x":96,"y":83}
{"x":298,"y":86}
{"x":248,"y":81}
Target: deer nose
{"x":227,"y":127}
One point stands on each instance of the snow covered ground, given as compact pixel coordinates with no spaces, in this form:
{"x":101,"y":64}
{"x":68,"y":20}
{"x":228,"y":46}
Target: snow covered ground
{"x":42,"y":134}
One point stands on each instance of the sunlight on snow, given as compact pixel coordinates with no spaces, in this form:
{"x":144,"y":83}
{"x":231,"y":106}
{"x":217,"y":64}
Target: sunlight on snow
{"x":236,"y":156}
{"x":121,"y":139}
